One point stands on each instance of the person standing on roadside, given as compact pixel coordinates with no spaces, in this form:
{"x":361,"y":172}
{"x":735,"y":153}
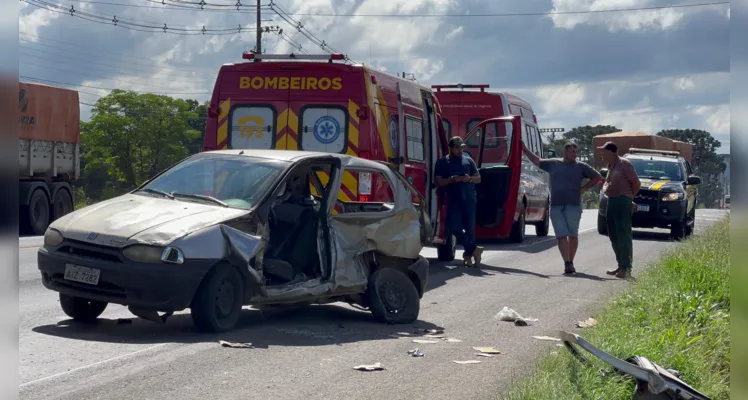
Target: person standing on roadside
{"x":458,"y":175}
{"x":621,"y":185}
{"x":567,"y":175}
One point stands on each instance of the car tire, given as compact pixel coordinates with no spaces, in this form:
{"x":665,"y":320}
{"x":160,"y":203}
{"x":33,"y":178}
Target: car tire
{"x":218,"y":302}
{"x":517,"y":234}
{"x":602,"y":225}
{"x":80,"y":309}
{"x":541,"y":229}
{"x":678,"y":230}
{"x":447,"y":251}
{"x":392,"y":297}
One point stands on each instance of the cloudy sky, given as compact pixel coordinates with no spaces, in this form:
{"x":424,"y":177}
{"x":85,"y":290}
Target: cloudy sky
{"x":638,"y":70}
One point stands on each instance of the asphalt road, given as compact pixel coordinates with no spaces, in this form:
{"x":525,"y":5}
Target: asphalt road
{"x":310,"y":352}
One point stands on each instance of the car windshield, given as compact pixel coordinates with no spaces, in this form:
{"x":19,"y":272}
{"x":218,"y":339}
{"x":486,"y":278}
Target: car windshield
{"x":223,"y":180}
{"x":657,"y":169}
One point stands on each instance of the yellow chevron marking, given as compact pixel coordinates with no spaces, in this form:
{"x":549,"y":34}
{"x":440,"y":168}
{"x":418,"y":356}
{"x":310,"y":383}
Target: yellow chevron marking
{"x":353,"y":134}
{"x":350,"y":182}
{"x":223,"y":134}
{"x":658,"y":185}
{"x":353,"y":110}
{"x":224,"y":108}
{"x":380,"y":111}
{"x":293,"y":121}
{"x":282,"y":120}
{"x":291,"y":143}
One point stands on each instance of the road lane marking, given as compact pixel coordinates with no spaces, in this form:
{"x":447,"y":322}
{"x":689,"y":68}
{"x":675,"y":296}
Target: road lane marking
{"x":90,"y":365}
{"x":553,"y":238}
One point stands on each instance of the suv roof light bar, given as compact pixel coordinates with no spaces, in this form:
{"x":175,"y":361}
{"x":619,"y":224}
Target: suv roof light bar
{"x":460,"y":86}
{"x":675,"y":153}
{"x":248,"y":55}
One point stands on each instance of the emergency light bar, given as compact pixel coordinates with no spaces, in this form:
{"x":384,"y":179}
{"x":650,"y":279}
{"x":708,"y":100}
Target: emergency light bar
{"x":248,"y":55}
{"x":651,"y":151}
{"x":460,"y":86}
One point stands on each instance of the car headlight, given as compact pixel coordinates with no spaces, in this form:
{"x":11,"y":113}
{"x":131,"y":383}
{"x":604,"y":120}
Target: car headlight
{"x":672,"y":196}
{"x":52,"y":237}
{"x":153,"y":254}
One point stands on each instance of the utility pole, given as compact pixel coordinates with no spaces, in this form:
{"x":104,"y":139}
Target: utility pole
{"x":258,"y":46}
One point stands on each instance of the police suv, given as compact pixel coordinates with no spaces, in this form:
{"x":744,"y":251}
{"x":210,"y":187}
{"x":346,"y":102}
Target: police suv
{"x":668,"y":195}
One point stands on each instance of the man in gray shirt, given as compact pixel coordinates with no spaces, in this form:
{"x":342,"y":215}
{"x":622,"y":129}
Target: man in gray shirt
{"x":567,"y":175}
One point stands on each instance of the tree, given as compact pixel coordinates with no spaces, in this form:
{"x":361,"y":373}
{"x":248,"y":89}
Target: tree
{"x":198,"y":123}
{"x":134,"y":136}
{"x":705,"y":161}
{"x":582,"y":136}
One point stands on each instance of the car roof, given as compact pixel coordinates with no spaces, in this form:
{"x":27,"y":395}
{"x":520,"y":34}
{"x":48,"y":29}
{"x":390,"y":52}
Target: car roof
{"x":298,"y":155}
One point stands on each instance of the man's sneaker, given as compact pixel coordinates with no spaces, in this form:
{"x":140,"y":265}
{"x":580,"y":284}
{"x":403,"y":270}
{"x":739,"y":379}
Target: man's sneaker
{"x":478,"y":255}
{"x":569,"y":268}
{"x":624,"y":274}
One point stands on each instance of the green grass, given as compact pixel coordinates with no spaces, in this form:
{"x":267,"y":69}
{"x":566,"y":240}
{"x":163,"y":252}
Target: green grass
{"x":677,"y":315}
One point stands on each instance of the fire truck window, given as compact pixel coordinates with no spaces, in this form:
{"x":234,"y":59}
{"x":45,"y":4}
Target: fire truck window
{"x":514,"y":110}
{"x":324,"y":129}
{"x":252,"y":127}
{"x":539,"y":141}
{"x":526,"y":114}
{"x":414,"y":135}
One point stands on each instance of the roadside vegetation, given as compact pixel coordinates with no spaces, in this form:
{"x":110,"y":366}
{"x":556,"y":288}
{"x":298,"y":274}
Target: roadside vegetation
{"x":677,"y":315}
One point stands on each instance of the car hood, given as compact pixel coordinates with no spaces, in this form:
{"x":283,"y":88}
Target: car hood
{"x":133,"y":218}
{"x":657,"y":184}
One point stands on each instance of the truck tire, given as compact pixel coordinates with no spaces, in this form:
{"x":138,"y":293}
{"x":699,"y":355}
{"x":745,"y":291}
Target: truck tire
{"x":36,"y":218}
{"x":218,"y":302}
{"x":602,"y":225}
{"x":447,"y":251}
{"x":517,"y":234}
{"x":81,"y":309}
{"x":392,"y":297}
{"x":63,"y":204}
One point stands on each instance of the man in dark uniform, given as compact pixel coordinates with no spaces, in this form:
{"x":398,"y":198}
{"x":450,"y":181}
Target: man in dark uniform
{"x":458,"y":176}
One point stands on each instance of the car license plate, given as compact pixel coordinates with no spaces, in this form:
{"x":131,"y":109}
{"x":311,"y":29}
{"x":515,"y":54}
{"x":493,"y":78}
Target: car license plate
{"x":82,"y":274}
{"x":643,"y":207}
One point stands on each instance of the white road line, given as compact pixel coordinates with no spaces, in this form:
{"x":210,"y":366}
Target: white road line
{"x":90,"y":365}
{"x":553,"y":238}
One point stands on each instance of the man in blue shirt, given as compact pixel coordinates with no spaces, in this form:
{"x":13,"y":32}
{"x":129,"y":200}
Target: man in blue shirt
{"x":458,"y":176}
{"x":567,"y":175}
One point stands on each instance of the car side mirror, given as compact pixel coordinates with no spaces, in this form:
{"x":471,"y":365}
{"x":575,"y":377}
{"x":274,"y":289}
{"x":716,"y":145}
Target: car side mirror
{"x":694,"y":180}
{"x":604,"y":172}
{"x":551,"y":154}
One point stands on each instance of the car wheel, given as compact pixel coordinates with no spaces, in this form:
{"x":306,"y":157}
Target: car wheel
{"x":392,"y":297}
{"x":446,"y":252}
{"x":81,"y":309}
{"x":678,"y":230}
{"x":217,"y":305}
{"x":602,"y":225}
{"x":517,"y":234}
{"x":541,"y":229}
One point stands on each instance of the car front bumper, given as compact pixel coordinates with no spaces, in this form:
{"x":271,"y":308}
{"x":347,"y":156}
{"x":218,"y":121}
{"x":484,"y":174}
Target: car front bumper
{"x":661,"y":214}
{"x":160,"y":287}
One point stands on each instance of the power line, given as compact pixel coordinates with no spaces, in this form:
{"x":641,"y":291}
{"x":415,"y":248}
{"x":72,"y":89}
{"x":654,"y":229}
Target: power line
{"x":138,"y":26}
{"x":524,"y":14}
{"x":110,"y":89}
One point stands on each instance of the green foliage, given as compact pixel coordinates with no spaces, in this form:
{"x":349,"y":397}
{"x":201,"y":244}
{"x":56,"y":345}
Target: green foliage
{"x":131,"y":137}
{"x":582,"y":136}
{"x":677,"y":315}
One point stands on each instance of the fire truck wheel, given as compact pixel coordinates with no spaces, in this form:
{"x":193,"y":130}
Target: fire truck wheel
{"x":446,"y":252}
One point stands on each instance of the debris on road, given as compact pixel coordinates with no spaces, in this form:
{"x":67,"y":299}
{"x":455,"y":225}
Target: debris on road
{"x":236,"y":345}
{"x":547,"y":338}
{"x":368,"y":368}
{"x":467,"y":362}
{"x":588,"y":323}
{"x":483,"y":355}
{"x":425,"y":341}
{"x":415,"y":353}
{"x":520,"y":322}
{"x":430,"y":331}
{"x":487,"y":350}
{"x":453,"y":340}
{"x":434,"y":336}
{"x":507,"y":314}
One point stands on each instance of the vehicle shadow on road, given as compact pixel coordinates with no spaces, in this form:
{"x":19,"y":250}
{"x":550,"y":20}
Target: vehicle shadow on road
{"x":440,"y":273}
{"x":532,"y":244}
{"x":315,"y":325}
{"x":652,"y":236}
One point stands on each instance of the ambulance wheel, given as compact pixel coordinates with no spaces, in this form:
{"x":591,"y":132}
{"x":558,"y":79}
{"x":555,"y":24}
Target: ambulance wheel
{"x":446,"y":252}
{"x":518,"y":229}
{"x":541,"y":228}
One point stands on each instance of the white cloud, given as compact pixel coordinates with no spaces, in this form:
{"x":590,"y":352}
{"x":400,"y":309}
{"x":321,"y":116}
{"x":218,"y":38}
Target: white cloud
{"x":558,"y":99}
{"x":717,"y":117}
{"x":32,"y":21}
{"x":455,"y":33}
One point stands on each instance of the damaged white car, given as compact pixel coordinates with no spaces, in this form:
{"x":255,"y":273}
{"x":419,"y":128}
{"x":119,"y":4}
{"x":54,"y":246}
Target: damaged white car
{"x":226,"y":229}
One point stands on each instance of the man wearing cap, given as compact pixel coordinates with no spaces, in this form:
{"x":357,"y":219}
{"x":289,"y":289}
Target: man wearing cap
{"x":458,"y":176}
{"x":621,"y":185}
{"x":567,"y":175}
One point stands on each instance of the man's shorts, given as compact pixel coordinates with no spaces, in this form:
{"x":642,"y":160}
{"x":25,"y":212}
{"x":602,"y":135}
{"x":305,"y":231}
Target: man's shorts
{"x":565,"y":219}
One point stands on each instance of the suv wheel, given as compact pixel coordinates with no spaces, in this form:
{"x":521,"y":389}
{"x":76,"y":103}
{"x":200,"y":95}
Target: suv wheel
{"x":678,"y":230}
{"x":217,"y":305}
{"x":81,"y":309}
{"x":602,"y":225}
{"x":392,"y":297}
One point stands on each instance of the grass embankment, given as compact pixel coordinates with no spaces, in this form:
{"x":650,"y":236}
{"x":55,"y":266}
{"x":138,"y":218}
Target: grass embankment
{"x":677,"y":315}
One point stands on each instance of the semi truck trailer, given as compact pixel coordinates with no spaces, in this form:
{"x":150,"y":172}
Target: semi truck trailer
{"x":49,"y":154}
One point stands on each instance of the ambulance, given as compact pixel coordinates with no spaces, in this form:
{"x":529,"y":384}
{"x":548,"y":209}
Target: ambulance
{"x":465,"y":107}
{"x":322,"y":103}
